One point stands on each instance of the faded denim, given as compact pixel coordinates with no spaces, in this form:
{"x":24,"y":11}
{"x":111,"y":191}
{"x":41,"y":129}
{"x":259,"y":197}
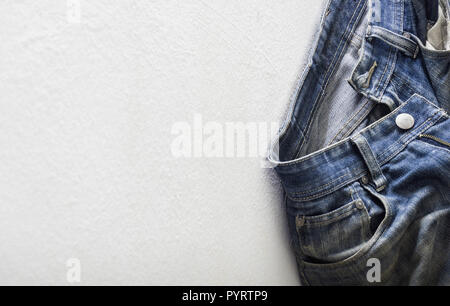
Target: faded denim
{"x":357,"y":184}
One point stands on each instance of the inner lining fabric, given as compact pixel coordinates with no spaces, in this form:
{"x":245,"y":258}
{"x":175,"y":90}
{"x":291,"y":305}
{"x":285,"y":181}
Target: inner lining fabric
{"x":342,"y":108}
{"x":438,"y":34}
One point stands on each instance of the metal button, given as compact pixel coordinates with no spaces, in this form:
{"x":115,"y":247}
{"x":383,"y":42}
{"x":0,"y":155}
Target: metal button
{"x":359,"y":204}
{"x":405,"y":121}
{"x":365,"y":180}
{"x":300,"y":221}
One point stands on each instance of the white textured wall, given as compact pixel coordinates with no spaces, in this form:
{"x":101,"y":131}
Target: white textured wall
{"x":86,"y":111}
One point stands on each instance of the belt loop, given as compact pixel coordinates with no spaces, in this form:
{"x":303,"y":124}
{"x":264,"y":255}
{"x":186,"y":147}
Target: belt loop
{"x":402,"y":42}
{"x":375,"y":171}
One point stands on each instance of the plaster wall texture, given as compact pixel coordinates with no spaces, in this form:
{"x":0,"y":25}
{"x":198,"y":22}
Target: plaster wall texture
{"x":90,"y":92}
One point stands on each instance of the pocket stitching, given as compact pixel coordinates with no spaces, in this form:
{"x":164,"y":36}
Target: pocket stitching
{"x":435,"y":146}
{"x":339,"y":213}
{"x":365,"y":219}
{"x":363,"y":251}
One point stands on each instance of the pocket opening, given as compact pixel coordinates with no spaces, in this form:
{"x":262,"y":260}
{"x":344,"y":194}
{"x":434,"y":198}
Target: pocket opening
{"x":330,"y":217}
{"x":375,"y":207}
{"x":334,"y":236}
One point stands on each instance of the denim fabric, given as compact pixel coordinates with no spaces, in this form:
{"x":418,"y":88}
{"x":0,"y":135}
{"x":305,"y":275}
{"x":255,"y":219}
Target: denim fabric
{"x":359,"y":182}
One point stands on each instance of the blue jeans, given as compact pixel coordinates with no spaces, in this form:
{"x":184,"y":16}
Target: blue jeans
{"x":363,"y":155}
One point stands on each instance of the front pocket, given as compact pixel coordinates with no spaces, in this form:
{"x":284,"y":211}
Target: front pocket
{"x":334,"y":236}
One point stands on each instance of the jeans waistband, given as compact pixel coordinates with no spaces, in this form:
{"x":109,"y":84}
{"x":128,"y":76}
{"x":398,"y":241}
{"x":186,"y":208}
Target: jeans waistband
{"x":331,"y":168}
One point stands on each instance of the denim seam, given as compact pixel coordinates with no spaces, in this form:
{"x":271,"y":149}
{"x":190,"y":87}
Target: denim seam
{"x":402,"y":16}
{"x":321,"y":187}
{"x":371,"y":161}
{"x":405,"y":83}
{"x":332,"y":215}
{"x":358,"y":65}
{"x":328,"y":75}
{"x":348,"y":121}
{"x":426,"y":100}
{"x":356,"y":40}
{"x":366,"y":224}
{"x":331,"y":190}
{"x":302,"y":77}
{"x":376,"y":89}
{"x":433,"y":70}
{"x":353,"y":37}
{"x":360,"y":120}
{"x":310,"y":119}
{"x":344,"y":38}
{"x":381,"y":83}
{"x":392,"y":63}
{"x":398,"y":42}
{"x":322,"y":89}
{"x":396,"y":86}
{"x":346,"y":212}
{"x":409,"y":51}
{"x":389,"y":77}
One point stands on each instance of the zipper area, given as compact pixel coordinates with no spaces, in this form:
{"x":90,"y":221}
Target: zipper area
{"x":442,"y":142}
